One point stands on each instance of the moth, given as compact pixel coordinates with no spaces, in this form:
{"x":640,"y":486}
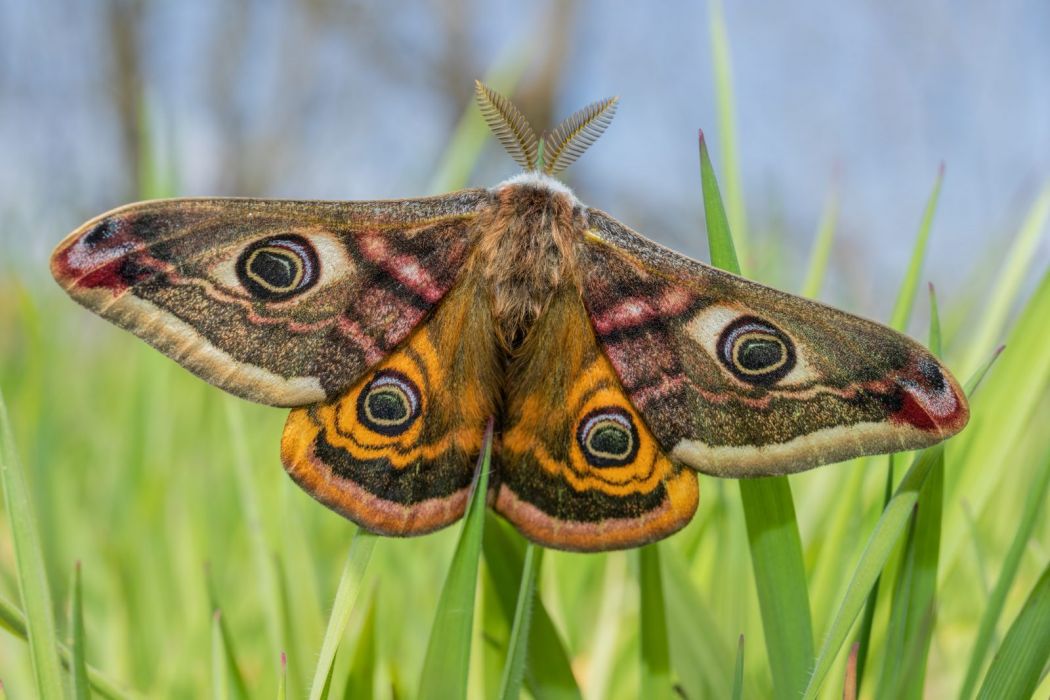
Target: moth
{"x":614,"y":368}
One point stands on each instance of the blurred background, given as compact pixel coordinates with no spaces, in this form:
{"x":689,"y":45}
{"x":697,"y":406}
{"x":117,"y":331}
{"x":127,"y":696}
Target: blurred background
{"x":326,"y":99}
{"x":840,"y":112}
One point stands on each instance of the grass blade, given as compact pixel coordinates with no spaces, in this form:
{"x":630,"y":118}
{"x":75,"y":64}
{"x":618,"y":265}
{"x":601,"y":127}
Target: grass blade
{"x":548,"y":673}
{"x":697,"y":652}
{"x":32,"y":576}
{"x":899,"y":319}
{"x":1002,"y":415}
{"x":906,"y":296}
{"x":911,"y":620}
{"x":935,"y":324}
{"x":220,"y":677}
{"x":282,"y":679}
{"x":868,"y":621}
{"x":838,"y":530}
{"x":81,"y":687}
{"x":12,"y":620}
{"x":495,"y":630}
{"x":361,"y":681}
{"x":262,"y":556}
{"x":821,"y":251}
{"x":877,"y":552}
{"x":849,"y":681}
{"x":738,"y":673}
{"x":907,"y":637}
{"x":517,"y":647}
{"x":655,"y":657}
{"x":769,"y":511}
{"x":232,"y":668}
{"x":1019,"y":259}
{"x":447,"y":661}
{"x":326,"y":689}
{"x":780,"y":577}
{"x":720,"y":61}
{"x":719,"y":234}
{"x":1018,"y":665}
{"x":607,"y":633}
{"x":994,"y":608}
{"x":346,"y":594}
{"x":880,"y":545}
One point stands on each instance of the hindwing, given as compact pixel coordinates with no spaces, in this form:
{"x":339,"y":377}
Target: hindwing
{"x":579,"y":468}
{"x":395,"y":452}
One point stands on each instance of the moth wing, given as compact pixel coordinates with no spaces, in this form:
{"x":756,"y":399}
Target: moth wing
{"x":281,"y":302}
{"x":578,"y":467}
{"x":737,"y":379}
{"x":395,"y":452}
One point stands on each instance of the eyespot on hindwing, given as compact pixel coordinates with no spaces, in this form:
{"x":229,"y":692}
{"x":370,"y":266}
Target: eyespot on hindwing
{"x":607,"y":437}
{"x":389,"y":404}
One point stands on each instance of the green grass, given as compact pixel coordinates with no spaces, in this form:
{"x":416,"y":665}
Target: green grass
{"x":32,"y":576}
{"x":81,"y":686}
{"x":518,"y":643}
{"x":350,"y":584}
{"x":769,"y":511}
{"x":447,"y":662}
{"x":172,"y":497}
{"x":655,"y":656}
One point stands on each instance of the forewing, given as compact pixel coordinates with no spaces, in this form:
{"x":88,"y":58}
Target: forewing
{"x":282,"y":302}
{"x":579,"y":468}
{"x":737,"y":379}
{"x":395,"y":453}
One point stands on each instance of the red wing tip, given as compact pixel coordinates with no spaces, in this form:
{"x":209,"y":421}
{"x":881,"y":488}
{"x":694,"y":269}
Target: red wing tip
{"x":931,"y":400}
{"x":95,"y":255}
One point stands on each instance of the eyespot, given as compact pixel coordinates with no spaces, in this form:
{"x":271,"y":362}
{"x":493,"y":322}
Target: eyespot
{"x":755,"y":351}
{"x":279,"y":267}
{"x":608,"y":437}
{"x":389,"y":404}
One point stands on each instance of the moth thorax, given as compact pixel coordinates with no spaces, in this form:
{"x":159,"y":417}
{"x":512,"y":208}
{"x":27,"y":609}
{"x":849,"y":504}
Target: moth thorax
{"x":527,"y":251}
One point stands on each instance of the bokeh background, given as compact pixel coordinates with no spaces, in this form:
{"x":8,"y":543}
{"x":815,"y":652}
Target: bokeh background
{"x":329,"y":99}
{"x":143,"y":472}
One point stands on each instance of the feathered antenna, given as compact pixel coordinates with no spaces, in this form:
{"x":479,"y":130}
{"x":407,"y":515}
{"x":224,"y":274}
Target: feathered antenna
{"x":575,"y":135}
{"x":509,"y":125}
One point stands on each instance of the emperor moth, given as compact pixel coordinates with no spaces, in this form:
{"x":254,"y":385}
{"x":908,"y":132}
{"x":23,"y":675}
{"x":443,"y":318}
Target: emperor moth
{"x":614,"y":368}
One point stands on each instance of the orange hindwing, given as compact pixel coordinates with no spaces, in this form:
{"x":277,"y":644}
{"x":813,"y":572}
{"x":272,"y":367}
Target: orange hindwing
{"x":578,"y":467}
{"x":395,"y":452}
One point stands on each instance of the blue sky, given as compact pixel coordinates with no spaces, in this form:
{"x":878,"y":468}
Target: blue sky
{"x":870,"y":95}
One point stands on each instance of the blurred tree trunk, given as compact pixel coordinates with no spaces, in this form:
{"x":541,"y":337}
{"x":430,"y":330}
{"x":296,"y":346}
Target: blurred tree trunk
{"x":540,"y":91}
{"x":124,"y":19}
{"x":259,"y":123}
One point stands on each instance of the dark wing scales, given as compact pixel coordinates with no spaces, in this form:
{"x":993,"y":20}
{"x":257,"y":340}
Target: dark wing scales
{"x":737,"y":379}
{"x":281,"y":302}
{"x":578,"y":467}
{"x":395,"y":453}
